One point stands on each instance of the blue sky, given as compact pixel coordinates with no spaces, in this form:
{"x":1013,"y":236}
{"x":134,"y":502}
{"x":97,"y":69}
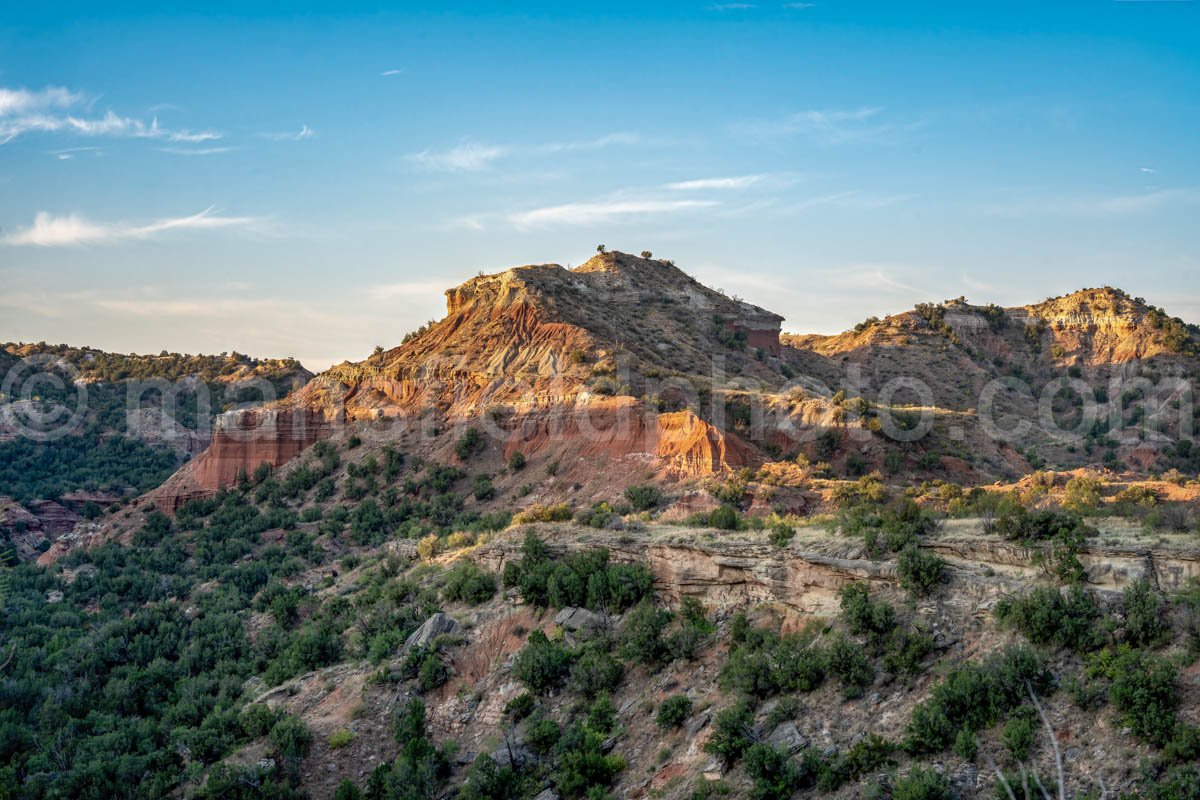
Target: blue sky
{"x":307,"y":182}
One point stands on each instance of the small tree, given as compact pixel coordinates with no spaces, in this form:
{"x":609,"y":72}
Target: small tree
{"x":643,"y":498}
{"x":919,"y":571}
{"x":470,"y":443}
{"x":673,"y":711}
{"x":781,"y":533}
{"x":732,"y":732}
{"x":646,"y":254}
{"x":601,"y":249}
{"x":291,"y":739}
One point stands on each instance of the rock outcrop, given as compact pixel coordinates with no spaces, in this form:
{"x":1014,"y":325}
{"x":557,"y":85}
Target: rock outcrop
{"x":437,"y":625}
{"x":241,"y":441}
{"x":546,"y":356}
{"x":805,"y":579}
{"x":627,"y":359}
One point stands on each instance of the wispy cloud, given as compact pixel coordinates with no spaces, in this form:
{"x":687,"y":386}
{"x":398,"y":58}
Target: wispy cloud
{"x":618,"y":138}
{"x":1149,"y":170}
{"x":855,"y":200}
{"x":387,"y":73}
{"x":24,"y":101}
{"x":472,"y":156}
{"x":603,"y":211}
{"x":466,"y":157}
{"x":704,"y":184}
{"x":798,"y":6}
{"x":73,"y":230}
{"x":878,"y":278}
{"x":305,"y":132}
{"x":196,"y":151}
{"x":49,"y":110}
{"x":829,"y":126}
{"x":732,"y":6}
{"x":71,"y":152}
{"x":1100,"y":205}
{"x":407,"y":290}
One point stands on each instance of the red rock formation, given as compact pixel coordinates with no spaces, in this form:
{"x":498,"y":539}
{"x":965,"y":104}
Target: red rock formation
{"x":78,"y":499}
{"x":535,"y":344}
{"x":55,"y":518}
{"x":241,"y":442}
{"x":623,"y":428}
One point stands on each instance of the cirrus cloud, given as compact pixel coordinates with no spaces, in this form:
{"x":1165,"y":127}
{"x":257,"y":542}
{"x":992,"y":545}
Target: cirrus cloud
{"x":603,"y":211}
{"x":55,"y":110}
{"x":466,"y":157}
{"x":49,"y":230}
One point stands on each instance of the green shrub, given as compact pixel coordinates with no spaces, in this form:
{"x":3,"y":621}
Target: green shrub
{"x":1188,"y":602}
{"x":1144,"y":689}
{"x":340,"y":738}
{"x":482,"y":488}
{"x":433,"y":673}
{"x":520,"y":707}
{"x":470,"y":443}
{"x":706,"y":789}
{"x":764,"y":663}
{"x":602,"y":716}
{"x":966,"y":745}
{"x":781,"y":534}
{"x":467,"y":583}
{"x":862,"y":615}
{"x":542,"y":665}
{"x":922,"y":784}
{"x":1018,"y":736}
{"x":346,"y":790}
{"x":673,"y":711}
{"x":776,"y":776}
{"x":582,"y":766}
{"x":906,"y":650}
{"x":641,"y":636}
{"x":732,"y":732}
{"x":1047,"y":616}
{"x":918,"y":570}
{"x":884,"y":527}
{"x":786,"y":709}
{"x":643,"y":498}
{"x":583,"y":579}
{"x":975,"y":696}
{"x":488,"y":780}
{"x":1061,"y":531}
{"x":1082,"y":493}
{"x":541,"y":734}
{"x":596,"y":673}
{"x":516,"y":462}
{"x":1146,"y":622}
{"x":850,"y":665}
{"x":291,"y":739}
{"x":557,"y":512}
{"x":724,"y":518}
{"x":869,"y":754}
{"x":1180,"y":783}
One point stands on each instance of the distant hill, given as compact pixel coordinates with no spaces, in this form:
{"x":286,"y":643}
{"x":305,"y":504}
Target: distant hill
{"x":627,"y":359}
{"x":98,"y":426}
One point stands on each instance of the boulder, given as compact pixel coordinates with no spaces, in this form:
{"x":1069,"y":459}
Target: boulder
{"x":579,"y":619}
{"x":515,"y":756}
{"x":546,"y":794}
{"x":437,"y":625}
{"x":788,"y":737}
